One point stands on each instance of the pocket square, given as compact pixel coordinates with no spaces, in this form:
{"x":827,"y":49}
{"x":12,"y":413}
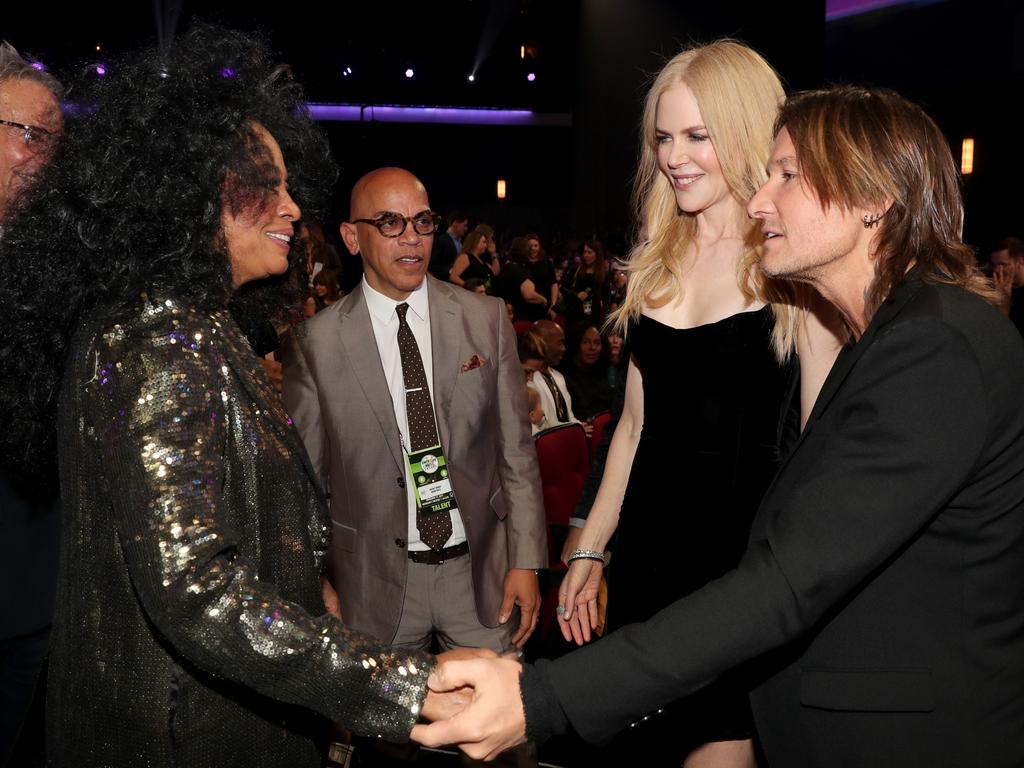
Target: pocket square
{"x":474,"y":362}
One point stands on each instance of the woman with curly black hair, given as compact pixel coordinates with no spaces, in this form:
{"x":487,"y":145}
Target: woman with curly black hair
{"x":190,"y":628}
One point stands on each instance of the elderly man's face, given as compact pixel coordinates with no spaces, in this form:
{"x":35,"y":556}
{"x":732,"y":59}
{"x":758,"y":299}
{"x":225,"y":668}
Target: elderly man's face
{"x":28,"y":103}
{"x":554,"y":341}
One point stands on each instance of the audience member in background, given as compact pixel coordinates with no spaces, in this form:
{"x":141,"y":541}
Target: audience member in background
{"x":542,"y":273}
{"x":531,"y":351}
{"x":190,"y":628}
{"x":1008,"y":274}
{"x":29,"y":513}
{"x":585,"y":287}
{"x":476,"y":285}
{"x":492,"y":244}
{"x":586,"y":372}
{"x":614,"y":342}
{"x":517,"y":287}
{"x":549,"y":381}
{"x":448,"y":245}
{"x":475,"y":262}
{"x":537,"y":418}
{"x":617,"y":289}
{"x":319,"y":253}
{"x":697,"y":443}
{"x":325,"y":291}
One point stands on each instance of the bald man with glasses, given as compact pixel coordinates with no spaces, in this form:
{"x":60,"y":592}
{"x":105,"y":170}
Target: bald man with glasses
{"x":409,"y":396}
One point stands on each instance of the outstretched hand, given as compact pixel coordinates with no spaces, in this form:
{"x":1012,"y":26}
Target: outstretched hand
{"x":577,"y":600}
{"x":493,"y":721}
{"x":442,"y":705}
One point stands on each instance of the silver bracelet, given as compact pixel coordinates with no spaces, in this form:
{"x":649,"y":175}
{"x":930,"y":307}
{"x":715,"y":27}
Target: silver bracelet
{"x":588,"y":554}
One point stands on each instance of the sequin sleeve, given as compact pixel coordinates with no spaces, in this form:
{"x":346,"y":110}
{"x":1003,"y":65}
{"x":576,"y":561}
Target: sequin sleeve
{"x":161,"y":431}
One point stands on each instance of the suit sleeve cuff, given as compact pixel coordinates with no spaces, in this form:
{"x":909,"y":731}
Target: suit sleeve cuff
{"x":544,"y":714}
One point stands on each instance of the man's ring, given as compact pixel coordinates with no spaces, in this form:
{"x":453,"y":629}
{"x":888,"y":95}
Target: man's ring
{"x":560,"y":610}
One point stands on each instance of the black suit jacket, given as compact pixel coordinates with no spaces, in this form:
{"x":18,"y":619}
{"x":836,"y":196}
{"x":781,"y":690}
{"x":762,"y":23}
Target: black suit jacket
{"x":884,"y":581}
{"x":442,"y":255}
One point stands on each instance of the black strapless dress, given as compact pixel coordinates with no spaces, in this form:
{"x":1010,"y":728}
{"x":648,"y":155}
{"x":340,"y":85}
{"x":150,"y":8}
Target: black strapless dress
{"x":713,"y":414}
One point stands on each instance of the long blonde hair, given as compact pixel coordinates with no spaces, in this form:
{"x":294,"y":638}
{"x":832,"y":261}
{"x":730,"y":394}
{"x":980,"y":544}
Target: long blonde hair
{"x":739,"y":95}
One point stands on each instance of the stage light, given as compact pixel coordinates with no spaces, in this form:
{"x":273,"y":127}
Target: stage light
{"x":227,"y":72}
{"x":501,"y":189}
{"x":409,"y":73}
{"x":967,"y":157}
{"x":38,"y":65}
{"x":101,"y":70}
{"x":346,"y":71}
{"x":531,"y":77}
{"x":97,"y":47}
{"x":471,"y":78}
{"x":522,"y":51}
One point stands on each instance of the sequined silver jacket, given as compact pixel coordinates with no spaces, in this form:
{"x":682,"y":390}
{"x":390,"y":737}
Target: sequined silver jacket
{"x":190,"y":630}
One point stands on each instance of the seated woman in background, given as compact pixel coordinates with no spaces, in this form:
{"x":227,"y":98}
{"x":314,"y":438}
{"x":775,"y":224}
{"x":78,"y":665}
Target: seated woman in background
{"x":615,"y":344}
{"x":517,"y":287}
{"x":586,"y":371}
{"x":190,"y":625}
{"x":531,"y":356}
{"x":537,"y":417}
{"x":474,"y":261}
{"x":325,"y":291}
{"x":585,"y":287}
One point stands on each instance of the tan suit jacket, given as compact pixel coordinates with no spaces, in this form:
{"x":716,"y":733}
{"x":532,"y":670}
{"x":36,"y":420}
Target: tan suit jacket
{"x":336,"y":393}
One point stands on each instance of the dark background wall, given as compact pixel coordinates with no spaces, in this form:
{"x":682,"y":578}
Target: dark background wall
{"x":963,"y":59}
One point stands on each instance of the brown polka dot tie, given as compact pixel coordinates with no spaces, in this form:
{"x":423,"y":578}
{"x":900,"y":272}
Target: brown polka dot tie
{"x":419,"y":409}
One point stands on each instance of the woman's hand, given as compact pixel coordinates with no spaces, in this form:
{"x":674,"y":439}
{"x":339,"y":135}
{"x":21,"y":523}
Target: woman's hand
{"x":577,"y":600}
{"x":331,"y":602}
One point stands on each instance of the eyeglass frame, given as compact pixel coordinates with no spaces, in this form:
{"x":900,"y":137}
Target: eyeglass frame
{"x":376,"y":223}
{"x":28,"y":130}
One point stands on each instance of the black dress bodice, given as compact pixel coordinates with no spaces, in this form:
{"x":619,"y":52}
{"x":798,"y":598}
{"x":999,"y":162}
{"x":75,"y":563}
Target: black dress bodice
{"x":713,"y":413}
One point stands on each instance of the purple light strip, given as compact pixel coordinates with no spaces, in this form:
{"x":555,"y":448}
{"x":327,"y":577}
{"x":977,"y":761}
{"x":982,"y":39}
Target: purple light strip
{"x":840,"y":9}
{"x":438,"y":115}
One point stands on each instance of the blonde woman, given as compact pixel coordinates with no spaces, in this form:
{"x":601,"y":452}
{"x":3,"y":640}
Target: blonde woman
{"x":711,"y":345}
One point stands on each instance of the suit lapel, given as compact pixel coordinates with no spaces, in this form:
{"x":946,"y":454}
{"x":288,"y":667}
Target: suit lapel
{"x":356,"y":333}
{"x":446,"y":334}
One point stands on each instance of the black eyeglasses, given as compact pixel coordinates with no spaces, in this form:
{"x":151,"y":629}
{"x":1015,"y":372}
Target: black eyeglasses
{"x":32,"y":134}
{"x":391,"y":224}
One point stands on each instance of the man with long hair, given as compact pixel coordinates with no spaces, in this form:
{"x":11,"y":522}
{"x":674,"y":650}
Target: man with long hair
{"x":883,"y":583}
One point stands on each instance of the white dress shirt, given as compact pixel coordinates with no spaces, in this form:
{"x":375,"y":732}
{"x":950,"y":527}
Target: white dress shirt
{"x":384,"y":319}
{"x":547,"y":400}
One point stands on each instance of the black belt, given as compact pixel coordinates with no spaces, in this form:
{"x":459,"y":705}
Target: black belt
{"x":438,"y":556}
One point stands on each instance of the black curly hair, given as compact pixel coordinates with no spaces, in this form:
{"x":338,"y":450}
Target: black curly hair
{"x":131,"y":205}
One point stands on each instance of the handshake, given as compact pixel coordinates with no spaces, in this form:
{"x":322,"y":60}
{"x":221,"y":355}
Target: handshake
{"x":474,"y":701}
